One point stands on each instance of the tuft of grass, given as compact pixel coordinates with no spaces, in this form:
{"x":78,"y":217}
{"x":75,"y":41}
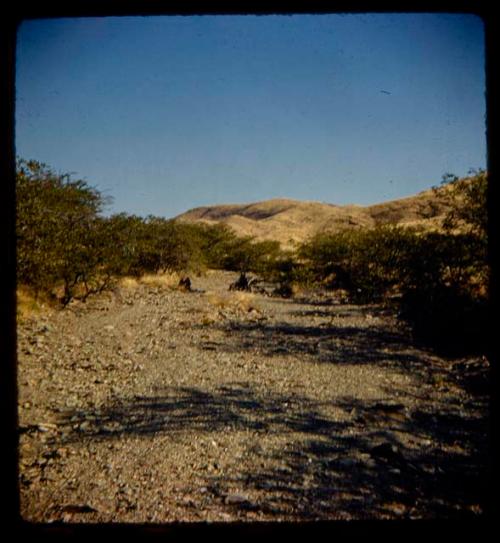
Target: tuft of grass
{"x":27,"y":305}
{"x":128,"y":282}
{"x":242,"y":301}
{"x":163,"y":280}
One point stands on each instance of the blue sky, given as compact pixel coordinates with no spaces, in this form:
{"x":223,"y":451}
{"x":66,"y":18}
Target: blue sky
{"x":169,"y":113}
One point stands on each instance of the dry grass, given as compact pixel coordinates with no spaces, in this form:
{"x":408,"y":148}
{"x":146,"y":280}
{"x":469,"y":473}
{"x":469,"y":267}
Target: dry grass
{"x":163,"y":280}
{"x":242,"y":301}
{"x":128,"y":282}
{"x":28,"y":306}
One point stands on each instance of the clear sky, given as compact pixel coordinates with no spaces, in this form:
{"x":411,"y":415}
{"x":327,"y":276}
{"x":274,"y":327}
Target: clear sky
{"x":170,"y":113}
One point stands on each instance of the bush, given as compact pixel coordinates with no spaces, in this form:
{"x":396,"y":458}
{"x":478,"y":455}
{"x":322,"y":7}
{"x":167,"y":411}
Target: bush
{"x":64,"y":243}
{"x":243,"y":254}
{"x":55,"y":228}
{"x":217,"y":242}
{"x":441,"y":277}
{"x":445,"y":283}
{"x":365,"y":262}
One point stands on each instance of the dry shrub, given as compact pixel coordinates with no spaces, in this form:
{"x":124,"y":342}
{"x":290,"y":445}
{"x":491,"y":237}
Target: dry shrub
{"x":297,"y":290}
{"x":342,"y":295}
{"x":208,"y":319}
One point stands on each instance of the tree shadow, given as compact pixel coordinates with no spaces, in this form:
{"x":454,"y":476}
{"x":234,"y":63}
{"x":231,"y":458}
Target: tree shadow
{"x":344,"y":457}
{"x":379,"y":460}
{"x":367,"y":471}
{"x":325,"y":343}
{"x":188,"y":409}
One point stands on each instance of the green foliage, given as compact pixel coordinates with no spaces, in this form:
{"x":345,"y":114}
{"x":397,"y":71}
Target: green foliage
{"x":245,"y":254}
{"x":62,"y":239}
{"x":365,"y":262}
{"x":217,"y":242}
{"x":441,"y":278}
{"x":445,"y":283}
{"x":55,"y":218}
{"x":163,"y":245}
{"x":469,"y":212}
{"x":288,"y":272}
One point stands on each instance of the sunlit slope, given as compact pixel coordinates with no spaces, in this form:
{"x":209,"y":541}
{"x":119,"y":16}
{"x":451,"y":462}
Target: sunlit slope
{"x":290,"y":221}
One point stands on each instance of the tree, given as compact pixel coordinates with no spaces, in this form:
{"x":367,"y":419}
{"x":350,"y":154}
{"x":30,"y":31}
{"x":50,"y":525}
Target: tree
{"x":445,"y":286}
{"x":54,"y":229}
{"x":469,"y":200}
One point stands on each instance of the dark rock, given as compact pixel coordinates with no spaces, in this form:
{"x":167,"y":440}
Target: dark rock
{"x":386,"y":451}
{"x":237,"y":499}
{"x":241,"y":284}
{"x":185,"y":284}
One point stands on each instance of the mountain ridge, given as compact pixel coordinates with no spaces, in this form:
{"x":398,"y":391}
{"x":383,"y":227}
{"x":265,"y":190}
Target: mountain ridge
{"x":291,"y":221}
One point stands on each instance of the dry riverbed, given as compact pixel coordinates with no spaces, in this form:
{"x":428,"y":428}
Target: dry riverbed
{"x":156,"y":405}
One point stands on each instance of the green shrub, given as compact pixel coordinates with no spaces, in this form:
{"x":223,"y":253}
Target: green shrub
{"x":243,"y":254}
{"x":365,"y":262}
{"x":445,"y":283}
{"x":55,"y":228}
{"x":442,"y":277}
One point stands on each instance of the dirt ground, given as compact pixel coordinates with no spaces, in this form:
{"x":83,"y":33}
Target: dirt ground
{"x":156,"y":405}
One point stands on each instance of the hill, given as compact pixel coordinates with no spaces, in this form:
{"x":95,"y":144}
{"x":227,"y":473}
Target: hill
{"x":293,"y":221}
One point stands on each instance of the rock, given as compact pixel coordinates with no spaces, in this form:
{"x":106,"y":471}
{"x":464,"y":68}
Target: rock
{"x":191,"y":412}
{"x":241,"y":284}
{"x":46,"y":427}
{"x":387,"y":451}
{"x":185,"y":284}
{"x":348,"y":462}
{"x":236,"y":499}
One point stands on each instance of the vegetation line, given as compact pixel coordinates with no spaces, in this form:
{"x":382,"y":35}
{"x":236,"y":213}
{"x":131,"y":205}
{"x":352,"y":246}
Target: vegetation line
{"x":67,"y":249}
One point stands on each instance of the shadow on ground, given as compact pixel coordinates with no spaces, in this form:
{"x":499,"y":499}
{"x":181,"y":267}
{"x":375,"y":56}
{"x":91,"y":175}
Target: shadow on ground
{"x":353,"y":465}
{"x":184,"y":409}
{"x":332,"y":339}
{"x":326,"y":343}
{"x":344,"y":458}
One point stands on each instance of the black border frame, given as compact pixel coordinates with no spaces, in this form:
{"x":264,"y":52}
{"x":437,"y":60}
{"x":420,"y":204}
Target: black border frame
{"x":27,"y":9}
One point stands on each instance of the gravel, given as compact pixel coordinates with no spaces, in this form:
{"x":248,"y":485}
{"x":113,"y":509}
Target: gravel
{"x":156,"y":405}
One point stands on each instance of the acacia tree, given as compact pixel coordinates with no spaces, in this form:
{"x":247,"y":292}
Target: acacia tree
{"x":55,"y":228}
{"x":366,"y":262}
{"x":469,"y":200}
{"x":445,"y":287}
{"x":217,"y":242}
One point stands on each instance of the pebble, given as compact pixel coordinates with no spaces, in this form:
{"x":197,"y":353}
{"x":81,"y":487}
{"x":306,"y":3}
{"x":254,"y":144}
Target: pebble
{"x":236,"y":499}
{"x":46,"y":427}
{"x":153,"y":407}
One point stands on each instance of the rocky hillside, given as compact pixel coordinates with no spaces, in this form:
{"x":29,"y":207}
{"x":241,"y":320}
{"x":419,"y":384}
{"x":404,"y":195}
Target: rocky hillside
{"x":290,"y":221}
